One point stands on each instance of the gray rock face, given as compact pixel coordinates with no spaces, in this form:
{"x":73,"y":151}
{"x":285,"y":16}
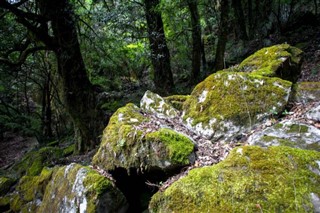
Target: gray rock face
{"x":288,"y":133}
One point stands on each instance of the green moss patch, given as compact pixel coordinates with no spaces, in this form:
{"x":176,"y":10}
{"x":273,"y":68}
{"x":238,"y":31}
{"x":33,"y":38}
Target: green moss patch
{"x":178,"y":146}
{"x":251,"y":179}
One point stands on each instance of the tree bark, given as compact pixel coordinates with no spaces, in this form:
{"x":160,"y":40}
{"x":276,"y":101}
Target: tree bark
{"x":160,"y":56}
{"x":219,"y":62}
{"x":196,"y":40}
{"x":78,"y":93}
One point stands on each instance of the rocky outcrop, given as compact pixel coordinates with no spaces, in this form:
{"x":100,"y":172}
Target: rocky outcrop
{"x":72,"y":188}
{"x":251,"y":179}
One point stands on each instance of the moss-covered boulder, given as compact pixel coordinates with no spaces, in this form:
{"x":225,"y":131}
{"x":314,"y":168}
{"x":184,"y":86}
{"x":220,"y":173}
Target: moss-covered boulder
{"x":251,"y":179}
{"x":154,"y":103}
{"x":132,"y":139}
{"x":227,"y":103}
{"x":306,"y":92}
{"x":283,"y":61}
{"x":72,"y":188}
{"x":288,"y":133}
{"x":75,"y":188}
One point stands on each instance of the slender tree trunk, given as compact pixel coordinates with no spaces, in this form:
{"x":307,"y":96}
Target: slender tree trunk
{"x":78,"y":93}
{"x":196,"y":40}
{"x":46,"y":108}
{"x":160,"y":55}
{"x":219,"y":62}
{"x":238,"y":10}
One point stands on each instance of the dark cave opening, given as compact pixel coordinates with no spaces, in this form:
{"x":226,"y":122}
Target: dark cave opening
{"x":134,"y":186}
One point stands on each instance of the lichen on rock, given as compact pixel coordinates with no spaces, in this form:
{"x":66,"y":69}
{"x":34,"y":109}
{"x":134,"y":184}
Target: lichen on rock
{"x":153,"y":103}
{"x":227,"y":103}
{"x":251,"y":179}
{"x":288,"y":133}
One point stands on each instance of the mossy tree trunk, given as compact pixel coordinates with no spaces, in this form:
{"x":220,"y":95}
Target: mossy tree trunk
{"x":160,"y":55}
{"x":78,"y":93}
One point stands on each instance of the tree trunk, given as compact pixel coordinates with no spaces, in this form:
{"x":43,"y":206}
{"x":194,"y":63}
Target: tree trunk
{"x":241,"y":24}
{"x":78,"y":93}
{"x":219,"y":62}
{"x":160,"y":56}
{"x":196,"y":40}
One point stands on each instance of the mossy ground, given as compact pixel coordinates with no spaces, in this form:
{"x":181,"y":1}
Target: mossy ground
{"x":251,"y":179}
{"x":34,"y":161}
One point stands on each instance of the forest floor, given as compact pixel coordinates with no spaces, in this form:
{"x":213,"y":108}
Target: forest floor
{"x":13,"y":147}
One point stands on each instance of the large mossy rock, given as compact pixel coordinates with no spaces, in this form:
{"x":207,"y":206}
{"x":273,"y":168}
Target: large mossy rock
{"x":228,"y":103}
{"x":134,"y":140}
{"x":251,"y":179}
{"x":75,"y":188}
{"x":72,"y":188}
{"x":283,"y":61}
